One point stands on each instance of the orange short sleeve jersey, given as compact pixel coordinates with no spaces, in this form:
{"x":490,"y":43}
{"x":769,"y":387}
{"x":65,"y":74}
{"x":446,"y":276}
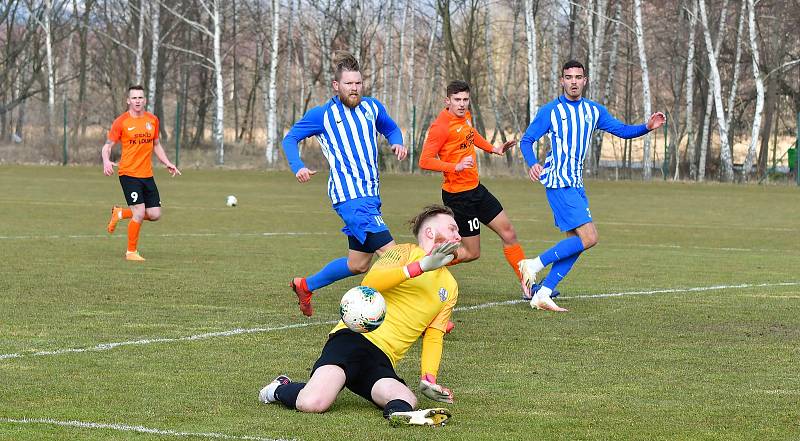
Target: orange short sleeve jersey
{"x":137,"y":135}
{"x":450,"y":140}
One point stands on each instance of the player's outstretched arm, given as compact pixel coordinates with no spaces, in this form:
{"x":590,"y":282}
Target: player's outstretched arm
{"x":162,"y":156}
{"x":430,"y":359}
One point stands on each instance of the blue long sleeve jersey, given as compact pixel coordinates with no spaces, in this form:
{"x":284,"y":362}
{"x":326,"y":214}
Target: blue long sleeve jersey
{"x":569,"y":125}
{"x":349,"y":142}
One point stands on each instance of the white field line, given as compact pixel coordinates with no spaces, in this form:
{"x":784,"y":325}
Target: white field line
{"x":95,"y":236}
{"x":129,"y":428}
{"x":239,"y":331}
{"x":336,"y":233}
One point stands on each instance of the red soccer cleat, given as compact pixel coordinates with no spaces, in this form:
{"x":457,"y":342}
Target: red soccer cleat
{"x":298,"y":285}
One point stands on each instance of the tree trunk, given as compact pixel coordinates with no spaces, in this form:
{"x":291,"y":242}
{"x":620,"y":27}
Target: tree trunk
{"x":647,"y":163}
{"x":751,"y":151}
{"x":533,"y":69}
{"x":491,"y":90}
{"x":608,"y":90}
{"x":155,"y":29}
{"x":387,"y":53}
{"x":51,"y":75}
{"x":411,"y":99}
{"x":555,"y":44}
{"x":271,"y":98}
{"x":140,"y":44}
{"x":725,"y":153}
{"x":690,"y":142}
{"x":401,"y":58}
{"x":219,"y":98}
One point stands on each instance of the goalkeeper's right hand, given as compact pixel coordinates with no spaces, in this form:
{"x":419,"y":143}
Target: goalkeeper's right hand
{"x":436,"y":392}
{"x":439,"y":256}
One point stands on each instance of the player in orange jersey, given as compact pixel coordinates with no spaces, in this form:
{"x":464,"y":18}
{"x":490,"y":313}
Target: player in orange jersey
{"x":137,"y":131}
{"x":449,"y":149}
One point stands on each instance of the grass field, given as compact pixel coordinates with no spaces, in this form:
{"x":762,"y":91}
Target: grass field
{"x":684,"y":321}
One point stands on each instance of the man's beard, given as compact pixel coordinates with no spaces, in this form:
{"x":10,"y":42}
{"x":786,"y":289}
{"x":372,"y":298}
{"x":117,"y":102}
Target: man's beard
{"x":351,"y":101}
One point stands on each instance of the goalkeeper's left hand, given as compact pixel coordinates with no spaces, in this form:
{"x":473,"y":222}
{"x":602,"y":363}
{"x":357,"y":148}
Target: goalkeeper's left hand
{"x":439,"y":256}
{"x":436,"y":392}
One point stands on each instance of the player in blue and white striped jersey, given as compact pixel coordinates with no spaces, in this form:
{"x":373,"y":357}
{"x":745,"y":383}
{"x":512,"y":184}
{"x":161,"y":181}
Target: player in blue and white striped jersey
{"x":569,"y":122}
{"x":346,"y":128}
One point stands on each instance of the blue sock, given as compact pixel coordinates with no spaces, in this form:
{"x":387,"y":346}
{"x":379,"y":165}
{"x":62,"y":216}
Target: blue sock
{"x":562,"y":250}
{"x":333,"y":271}
{"x":559,"y":270}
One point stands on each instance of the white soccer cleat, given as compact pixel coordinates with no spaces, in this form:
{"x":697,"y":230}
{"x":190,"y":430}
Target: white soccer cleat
{"x":267,"y":393}
{"x":436,"y":416}
{"x":528,"y":274}
{"x":545,"y":303}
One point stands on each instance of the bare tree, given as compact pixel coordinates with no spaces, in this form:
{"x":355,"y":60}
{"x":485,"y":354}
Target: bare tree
{"x":212,"y":10}
{"x":647,"y":163}
{"x":270,"y":95}
{"x":533,"y":69}
{"x":690,"y":143}
{"x":751,"y":151}
{"x":725,"y":152}
{"x":155,"y":35}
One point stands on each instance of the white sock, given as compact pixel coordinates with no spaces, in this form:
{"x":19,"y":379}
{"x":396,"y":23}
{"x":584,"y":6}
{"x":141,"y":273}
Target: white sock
{"x":544,"y":292}
{"x":537,"y":264}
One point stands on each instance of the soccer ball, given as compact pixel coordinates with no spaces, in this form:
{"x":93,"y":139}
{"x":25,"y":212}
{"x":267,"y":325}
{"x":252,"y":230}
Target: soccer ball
{"x":231,"y":201}
{"x":362,"y":309}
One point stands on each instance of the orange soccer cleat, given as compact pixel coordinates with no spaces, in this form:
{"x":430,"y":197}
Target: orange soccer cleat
{"x":298,"y":285}
{"x":116,"y":216}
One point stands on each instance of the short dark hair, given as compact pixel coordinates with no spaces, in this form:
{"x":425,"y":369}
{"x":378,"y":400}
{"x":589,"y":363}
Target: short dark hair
{"x":344,"y":61}
{"x":135,"y":87}
{"x":427,"y":213}
{"x":572,"y":63}
{"x":457,"y":86}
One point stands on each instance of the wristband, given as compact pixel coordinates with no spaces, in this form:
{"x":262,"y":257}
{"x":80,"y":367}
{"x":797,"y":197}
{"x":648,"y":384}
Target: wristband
{"x":413,"y":269}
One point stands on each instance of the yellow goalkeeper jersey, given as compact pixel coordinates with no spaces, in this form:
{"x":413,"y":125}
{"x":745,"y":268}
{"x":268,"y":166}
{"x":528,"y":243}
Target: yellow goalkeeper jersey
{"x":412,"y":305}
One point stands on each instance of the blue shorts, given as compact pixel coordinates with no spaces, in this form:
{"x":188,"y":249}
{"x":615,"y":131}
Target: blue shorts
{"x":362,"y":216}
{"x":570,"y":207}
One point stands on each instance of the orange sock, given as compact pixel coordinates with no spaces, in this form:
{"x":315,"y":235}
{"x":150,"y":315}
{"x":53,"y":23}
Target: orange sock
{"x":133,"y":235}
{"x":514,"y":254}
{"x":127,"y":213}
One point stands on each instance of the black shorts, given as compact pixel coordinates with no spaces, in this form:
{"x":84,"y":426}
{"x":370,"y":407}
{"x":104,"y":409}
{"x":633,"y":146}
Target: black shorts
{"x":372,"y":243}
{"x":140,"y":191}
{"x":363,"y":362}
{"x":472,"y":208}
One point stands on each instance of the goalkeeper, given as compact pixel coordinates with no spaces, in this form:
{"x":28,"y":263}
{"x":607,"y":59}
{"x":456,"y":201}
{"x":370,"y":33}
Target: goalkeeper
{"x":420,"y":295}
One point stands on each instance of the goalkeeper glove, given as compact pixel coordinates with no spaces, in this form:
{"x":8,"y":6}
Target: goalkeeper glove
{"x":439,"y":256}
{"x":436,"y":392}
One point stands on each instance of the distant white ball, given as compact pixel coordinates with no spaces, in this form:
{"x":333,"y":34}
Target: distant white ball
{"x":362,"y":309}
{"x":231,"y":201}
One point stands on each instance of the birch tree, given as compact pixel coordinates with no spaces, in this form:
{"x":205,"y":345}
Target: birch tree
{"x":647,"y":163}
{"x":139,"y":43}
{"x":46,"y":25}
{"x":211,"y":9}
{"x":155,"y":31}
{"x":270,"y":103}
{"x":701,"y":168}
{"x":533,"y":69}
{"x":690,"y":143}
{"x":725,"y":152}
{"x":759,"y":80}
{"x":401,"y":57}
{"x":492,"y":90}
